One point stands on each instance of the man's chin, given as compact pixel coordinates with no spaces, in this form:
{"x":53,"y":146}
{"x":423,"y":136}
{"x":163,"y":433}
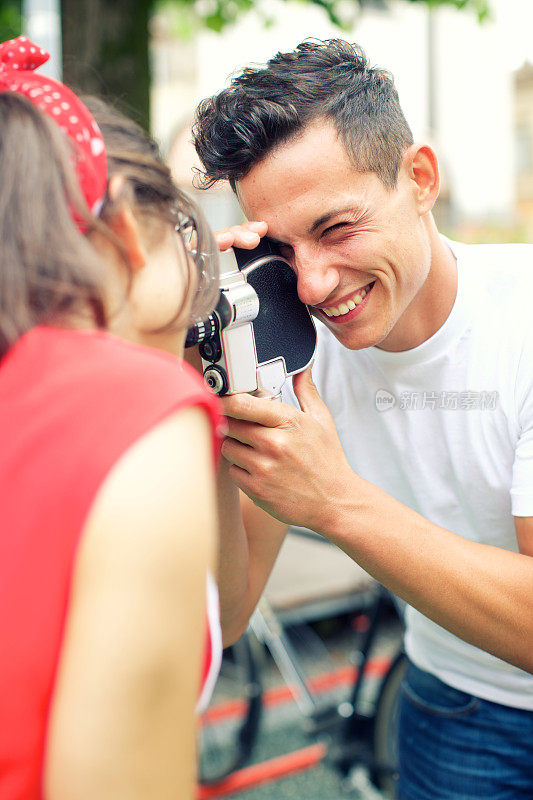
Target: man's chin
{"x":351,"y":338}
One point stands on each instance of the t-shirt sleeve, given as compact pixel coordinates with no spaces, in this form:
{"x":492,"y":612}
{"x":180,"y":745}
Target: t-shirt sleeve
{"x":522,"y":483}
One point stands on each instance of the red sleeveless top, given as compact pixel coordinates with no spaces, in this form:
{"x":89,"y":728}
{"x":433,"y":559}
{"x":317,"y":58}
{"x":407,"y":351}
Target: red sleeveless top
{"x":71,"y":403}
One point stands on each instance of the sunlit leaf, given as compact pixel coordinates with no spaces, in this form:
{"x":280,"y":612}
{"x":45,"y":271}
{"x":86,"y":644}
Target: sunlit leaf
{"x":10,"y":19}
{"x":219,"y":14}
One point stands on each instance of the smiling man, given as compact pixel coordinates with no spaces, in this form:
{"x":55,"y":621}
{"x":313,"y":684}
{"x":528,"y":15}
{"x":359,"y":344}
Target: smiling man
{"x":422,"y":468}
{"x":368,"y":256}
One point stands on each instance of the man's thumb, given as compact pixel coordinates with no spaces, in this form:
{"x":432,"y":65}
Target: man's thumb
{"x":307,"y":394}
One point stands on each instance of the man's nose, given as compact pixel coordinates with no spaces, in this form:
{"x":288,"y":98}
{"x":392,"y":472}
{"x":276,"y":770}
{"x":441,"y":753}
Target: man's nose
{"x":317,"y":277}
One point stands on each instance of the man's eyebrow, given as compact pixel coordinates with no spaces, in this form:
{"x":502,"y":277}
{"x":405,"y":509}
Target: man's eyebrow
{"x":354,"y":210}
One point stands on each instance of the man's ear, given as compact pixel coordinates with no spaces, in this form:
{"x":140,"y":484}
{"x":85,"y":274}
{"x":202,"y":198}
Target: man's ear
{"x":125,"y":226}
{"x":422,"y":168}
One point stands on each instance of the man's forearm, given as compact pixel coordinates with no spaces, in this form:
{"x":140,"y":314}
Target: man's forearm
{"x":292,"y":463}
{"x":233,"y":555}
{"x":233,"y":549}
{"x":482,"y":594}
{"x":249,"y":541}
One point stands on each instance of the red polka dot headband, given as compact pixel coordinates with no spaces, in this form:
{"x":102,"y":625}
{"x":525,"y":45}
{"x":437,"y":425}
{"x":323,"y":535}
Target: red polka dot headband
{"x":18,"y":59}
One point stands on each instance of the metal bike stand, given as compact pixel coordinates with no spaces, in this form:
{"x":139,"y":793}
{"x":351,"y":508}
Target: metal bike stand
{"x":268,"y":630}
{"x":356,"y":728}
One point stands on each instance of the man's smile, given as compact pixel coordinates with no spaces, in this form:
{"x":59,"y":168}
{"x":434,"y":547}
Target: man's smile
{"x":349,"y":306}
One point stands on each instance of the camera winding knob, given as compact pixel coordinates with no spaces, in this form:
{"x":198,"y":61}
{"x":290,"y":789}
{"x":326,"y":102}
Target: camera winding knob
{"x":216,"y":379}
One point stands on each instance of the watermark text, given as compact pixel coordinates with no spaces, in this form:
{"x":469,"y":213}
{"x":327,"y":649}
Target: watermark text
{"x":440,"y":400}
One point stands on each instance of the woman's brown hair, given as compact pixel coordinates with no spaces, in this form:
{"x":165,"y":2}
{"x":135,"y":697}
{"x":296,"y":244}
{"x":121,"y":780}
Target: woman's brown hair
{"x":48,"y":270}
{"x":132,"y":153}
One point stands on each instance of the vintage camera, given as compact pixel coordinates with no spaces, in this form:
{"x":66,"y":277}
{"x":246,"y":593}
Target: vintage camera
{"x":260,"y":332}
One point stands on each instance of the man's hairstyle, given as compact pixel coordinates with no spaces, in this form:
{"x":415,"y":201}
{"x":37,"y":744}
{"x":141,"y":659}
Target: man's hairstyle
{"x":266,"y":106}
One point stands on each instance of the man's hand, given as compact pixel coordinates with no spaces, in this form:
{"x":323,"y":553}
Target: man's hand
{"x":289,"y":462}
{"x":246,"y":235}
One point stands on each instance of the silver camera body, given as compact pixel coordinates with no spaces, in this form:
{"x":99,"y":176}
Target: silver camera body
{"x":260,"y":332}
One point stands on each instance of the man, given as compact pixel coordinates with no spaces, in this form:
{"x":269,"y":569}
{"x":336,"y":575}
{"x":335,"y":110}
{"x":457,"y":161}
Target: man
{"x":424,"y":471}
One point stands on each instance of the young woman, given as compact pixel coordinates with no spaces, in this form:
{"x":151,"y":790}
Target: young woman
{"x":107,"y":503}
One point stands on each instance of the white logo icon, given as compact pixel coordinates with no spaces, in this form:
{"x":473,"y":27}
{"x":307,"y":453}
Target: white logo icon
{"x":384,"y":400}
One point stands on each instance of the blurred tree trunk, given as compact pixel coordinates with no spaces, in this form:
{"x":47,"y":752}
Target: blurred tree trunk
{"x":105,"y":51}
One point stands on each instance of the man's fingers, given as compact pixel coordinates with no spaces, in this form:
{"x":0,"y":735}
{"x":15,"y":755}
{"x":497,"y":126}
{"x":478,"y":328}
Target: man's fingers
{"x":241,"y":431}
{"x":264,"y":411}
{"x":224,"y":240}
{"x":237,"y":238}
{"x":247,"y":484}
{"x":247,"y":235}
{"x":308,"y":396}
{"x":261,"y":410}
{"x":241,"y":478}
{"x":237,"y":453}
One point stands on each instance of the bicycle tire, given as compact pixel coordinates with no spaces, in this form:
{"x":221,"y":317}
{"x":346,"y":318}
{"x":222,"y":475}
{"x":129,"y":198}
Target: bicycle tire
{"x":229,"y":749}
{"x":385,"y":728}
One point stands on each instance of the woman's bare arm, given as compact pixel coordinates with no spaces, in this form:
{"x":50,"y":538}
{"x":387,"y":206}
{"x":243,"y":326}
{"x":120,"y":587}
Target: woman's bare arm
{"x":122,"y":720}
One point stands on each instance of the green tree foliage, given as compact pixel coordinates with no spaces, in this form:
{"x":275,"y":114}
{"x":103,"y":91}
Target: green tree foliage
{"x":480,"y":7}
{"x":10,"y":19}
{"x":106,"y":42}
{"x":218,"y":14}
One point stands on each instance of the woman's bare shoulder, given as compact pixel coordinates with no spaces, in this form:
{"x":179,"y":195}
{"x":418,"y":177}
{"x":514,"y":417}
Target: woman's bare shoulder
{"x":133,"y":643}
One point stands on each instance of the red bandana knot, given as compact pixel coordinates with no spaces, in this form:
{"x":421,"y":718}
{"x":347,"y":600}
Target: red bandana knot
{"x":18,"y":59}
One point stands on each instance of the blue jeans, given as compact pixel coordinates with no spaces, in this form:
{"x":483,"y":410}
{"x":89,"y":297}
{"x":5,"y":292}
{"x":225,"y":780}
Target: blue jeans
{"x":454,"y":746}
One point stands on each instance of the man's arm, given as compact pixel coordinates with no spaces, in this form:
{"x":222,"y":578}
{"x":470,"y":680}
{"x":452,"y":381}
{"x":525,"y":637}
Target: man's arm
{"x":524,"y":534}
{"x":249,"y":542}
{"x":249,"y":538}
{"x":292,"y":464}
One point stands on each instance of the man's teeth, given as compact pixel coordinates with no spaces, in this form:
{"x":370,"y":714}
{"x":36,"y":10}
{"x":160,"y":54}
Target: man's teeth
{"x":343,"y":308}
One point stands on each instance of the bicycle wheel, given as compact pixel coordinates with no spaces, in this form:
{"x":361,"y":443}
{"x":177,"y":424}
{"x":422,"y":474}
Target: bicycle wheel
{"x":385,"y":735}
{"x":229,"y":727}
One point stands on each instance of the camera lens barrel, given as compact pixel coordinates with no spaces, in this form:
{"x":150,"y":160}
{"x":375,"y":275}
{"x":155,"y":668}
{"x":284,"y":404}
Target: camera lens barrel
{"x":208,"y":328}
{"x":205,"y":329}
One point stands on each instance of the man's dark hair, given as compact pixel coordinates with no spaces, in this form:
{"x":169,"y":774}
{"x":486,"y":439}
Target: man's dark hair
{"x":266,"y":106}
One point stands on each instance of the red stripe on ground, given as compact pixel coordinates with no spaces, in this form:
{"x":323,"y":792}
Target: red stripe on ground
{"x":229,"y":708}
{"x":343,"y":676}
{"x":266,"y":771}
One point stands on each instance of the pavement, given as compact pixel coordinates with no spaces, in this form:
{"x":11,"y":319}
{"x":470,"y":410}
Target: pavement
{"x":287,"y":762}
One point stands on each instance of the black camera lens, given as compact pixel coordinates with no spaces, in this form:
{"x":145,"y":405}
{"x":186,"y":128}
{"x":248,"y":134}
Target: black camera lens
{"x":204,"y":329}
{"x":210,"y":350}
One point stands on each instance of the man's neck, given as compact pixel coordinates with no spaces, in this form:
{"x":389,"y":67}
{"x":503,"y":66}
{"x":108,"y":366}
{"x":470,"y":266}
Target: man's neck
{"x":431,"y":307}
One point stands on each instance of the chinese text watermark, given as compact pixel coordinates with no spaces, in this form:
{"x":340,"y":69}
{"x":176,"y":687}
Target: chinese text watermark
{"x":446,"y":401}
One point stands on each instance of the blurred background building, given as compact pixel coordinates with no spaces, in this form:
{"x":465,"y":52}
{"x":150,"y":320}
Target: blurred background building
{"x":523,"y":125}
{"x":465,"y":87}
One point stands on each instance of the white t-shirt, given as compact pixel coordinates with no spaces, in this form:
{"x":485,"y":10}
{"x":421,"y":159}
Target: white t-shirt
{"x":447,"y":429}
